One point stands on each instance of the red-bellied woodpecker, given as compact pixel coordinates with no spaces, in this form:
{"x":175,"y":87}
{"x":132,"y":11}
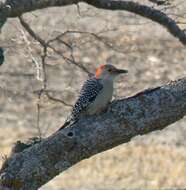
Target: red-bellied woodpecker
{"x":96,"y":93}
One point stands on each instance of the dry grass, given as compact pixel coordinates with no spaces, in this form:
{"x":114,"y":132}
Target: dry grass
{"x":132,"y":166}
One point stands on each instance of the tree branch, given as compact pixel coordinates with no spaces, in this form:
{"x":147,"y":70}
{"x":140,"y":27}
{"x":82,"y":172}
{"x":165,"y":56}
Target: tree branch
{"x":145,"y":11}
{"x":160,"y":2}
{"x":147,"y":111}
{"x":46,"y":45}
{"x":15,"y":8}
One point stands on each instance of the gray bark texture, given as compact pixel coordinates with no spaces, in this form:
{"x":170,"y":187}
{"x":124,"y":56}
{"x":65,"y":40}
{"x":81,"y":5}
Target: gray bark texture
{"x":150,"y":110}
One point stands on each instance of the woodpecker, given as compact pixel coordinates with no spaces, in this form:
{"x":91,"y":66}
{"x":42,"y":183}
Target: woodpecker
{"x":96,"y":93}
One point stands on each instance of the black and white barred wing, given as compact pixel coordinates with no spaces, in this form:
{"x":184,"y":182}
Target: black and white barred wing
{"x":88,"y":94}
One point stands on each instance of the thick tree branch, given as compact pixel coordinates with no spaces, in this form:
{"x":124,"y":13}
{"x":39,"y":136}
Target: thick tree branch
{"x":147,"y":111}
{"x":14,"y":8}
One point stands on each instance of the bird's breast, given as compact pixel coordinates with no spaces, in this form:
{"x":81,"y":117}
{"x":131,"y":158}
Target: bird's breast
{"x":102,"y":99}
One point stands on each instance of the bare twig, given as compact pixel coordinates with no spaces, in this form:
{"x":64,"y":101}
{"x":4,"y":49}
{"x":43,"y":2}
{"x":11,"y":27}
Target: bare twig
{"x":78,"y":9}
{"x":34,"y":60}
{"x":44,"y":82}
{"x":38,"y":118}
{"x":47,"y":45}
{"x":31,"y":32}
{"x":95,"y":35}
{"x":57,"y":100}
{"x":43,"y":59}
{"x":42,"y":68}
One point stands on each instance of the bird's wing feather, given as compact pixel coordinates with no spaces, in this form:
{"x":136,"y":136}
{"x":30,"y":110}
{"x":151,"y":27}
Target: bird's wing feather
{"x":88,"y":94}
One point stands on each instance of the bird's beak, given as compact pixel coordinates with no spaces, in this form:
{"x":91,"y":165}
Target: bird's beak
{"x":120,"y":71}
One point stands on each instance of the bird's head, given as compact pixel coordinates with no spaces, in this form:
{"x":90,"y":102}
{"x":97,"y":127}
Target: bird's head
{"x":108,"y":72}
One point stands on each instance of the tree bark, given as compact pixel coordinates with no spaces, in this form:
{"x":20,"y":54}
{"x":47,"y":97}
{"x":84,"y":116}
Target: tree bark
{"x":147,"y":111}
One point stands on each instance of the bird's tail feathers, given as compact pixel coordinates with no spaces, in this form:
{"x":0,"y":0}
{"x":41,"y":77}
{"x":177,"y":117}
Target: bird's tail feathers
{"x":69,"y":121}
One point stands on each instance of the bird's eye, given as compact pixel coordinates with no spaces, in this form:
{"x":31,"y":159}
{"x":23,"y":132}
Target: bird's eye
{"x":109,"y":70}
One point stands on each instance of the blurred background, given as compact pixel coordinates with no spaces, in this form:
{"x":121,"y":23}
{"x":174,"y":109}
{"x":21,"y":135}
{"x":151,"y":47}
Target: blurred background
{"x":152,"y":56}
